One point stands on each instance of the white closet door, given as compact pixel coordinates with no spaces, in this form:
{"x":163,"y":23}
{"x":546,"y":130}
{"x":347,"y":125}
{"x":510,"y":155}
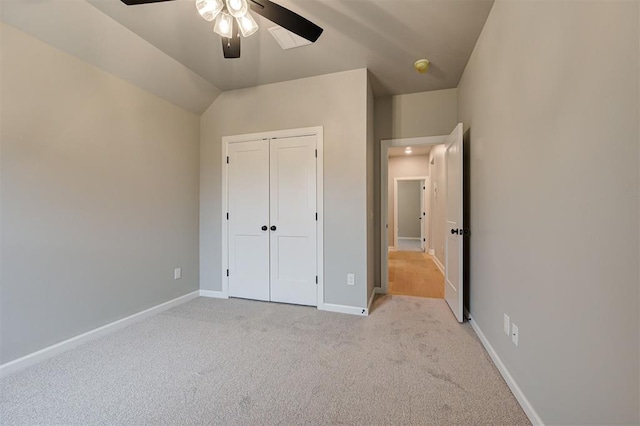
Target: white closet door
{"x":293,"y":220}
{"x":248,"y":180}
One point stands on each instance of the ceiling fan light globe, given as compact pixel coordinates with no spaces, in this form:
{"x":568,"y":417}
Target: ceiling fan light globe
{"x":247,"y":25}
{"x":224,"y":25}
{"x":237,"y":8}
{"x":209,"y":9}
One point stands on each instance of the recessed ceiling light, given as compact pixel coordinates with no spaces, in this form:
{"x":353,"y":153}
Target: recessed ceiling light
{"x":408,"y":150}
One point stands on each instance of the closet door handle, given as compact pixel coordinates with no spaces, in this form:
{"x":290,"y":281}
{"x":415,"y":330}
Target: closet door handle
{"x":273,"y":227}
{"x":264,"y":227}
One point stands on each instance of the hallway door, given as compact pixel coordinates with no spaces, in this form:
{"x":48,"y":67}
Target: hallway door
{"x":454,"y":245}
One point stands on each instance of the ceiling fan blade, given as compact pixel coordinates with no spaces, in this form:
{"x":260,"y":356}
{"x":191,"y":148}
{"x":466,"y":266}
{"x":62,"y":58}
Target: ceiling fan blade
{"x":286,"y":19}
{"x":137,"y":2}
{"x":231,"y":46}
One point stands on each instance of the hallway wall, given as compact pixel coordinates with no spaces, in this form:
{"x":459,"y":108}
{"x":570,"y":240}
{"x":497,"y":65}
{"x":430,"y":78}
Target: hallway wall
{"x":438,"y":195}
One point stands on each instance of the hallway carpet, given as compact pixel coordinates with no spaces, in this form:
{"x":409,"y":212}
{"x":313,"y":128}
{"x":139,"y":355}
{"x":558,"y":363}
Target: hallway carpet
{"x":414,"y":274}
{"x":242,"y":362}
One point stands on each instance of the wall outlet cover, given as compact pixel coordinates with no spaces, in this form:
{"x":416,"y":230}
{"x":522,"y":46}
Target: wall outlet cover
{"x":177,"y":273}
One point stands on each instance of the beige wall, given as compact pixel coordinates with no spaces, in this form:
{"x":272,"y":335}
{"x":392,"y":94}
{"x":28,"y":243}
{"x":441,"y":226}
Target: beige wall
{"x":418,"y":114}
{"x":409,"y":166}
{"x":373,"y":267}
{"x":99,"y":197}
{"x":339,"y":103}
{"x":550,"y":96}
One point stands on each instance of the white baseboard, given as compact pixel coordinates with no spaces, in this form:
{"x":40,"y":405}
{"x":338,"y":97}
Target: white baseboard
{"x":432,"y":252}
{"x":48,"y":352}
{"x":214,"y":294}
{"x":344,"y":309}
{"x":515,"y":389}
{"x":438,"y":264}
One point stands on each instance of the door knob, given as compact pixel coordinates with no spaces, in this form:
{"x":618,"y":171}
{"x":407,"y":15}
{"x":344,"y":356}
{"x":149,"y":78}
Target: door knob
{"x":273,"y":227}
{"x":264,"y":227}
{"x":455,"y":231}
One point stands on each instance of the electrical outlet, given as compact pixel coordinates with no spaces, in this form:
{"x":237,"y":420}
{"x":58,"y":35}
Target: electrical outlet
{"x":506,"y":324}
{"x":177,"y":273}
{"x":351,"y":279}
{"x":514,"y":334}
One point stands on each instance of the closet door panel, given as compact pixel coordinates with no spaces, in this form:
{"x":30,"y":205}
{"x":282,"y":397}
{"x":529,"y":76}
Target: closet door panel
{"x":248,"y":192}
{"x":293,"y":220}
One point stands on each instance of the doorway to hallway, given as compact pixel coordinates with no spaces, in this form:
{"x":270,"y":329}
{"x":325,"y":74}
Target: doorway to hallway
{"x":445,"y":213}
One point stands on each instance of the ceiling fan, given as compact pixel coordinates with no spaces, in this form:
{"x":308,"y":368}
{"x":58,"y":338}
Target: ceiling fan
{"x":232,"y":18}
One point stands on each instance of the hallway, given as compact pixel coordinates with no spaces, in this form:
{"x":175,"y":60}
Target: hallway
{"x":414,"y":274}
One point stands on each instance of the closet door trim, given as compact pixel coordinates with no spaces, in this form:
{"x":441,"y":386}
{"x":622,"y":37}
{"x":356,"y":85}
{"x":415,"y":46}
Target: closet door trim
{"x":308,"y":131}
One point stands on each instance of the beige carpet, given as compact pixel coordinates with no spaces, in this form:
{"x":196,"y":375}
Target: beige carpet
{"x":243,"y":362}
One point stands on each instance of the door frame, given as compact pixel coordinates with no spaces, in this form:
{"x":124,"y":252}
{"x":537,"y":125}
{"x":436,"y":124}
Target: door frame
{"x":426,"y":207}
{"x":422,"y":179}
{"x":385,"y":144}
{"x":318,"y":132}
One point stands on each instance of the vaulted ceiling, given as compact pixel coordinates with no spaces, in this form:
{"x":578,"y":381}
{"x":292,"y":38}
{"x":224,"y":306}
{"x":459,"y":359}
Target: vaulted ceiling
{"x":385,"y":36}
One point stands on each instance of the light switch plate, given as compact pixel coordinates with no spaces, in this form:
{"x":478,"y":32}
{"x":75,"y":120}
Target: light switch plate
{"x":177,"y":273}
{"x":506,"y":324}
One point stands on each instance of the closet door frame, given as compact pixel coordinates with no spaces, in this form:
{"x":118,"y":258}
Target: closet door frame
{"x":318,"y":132}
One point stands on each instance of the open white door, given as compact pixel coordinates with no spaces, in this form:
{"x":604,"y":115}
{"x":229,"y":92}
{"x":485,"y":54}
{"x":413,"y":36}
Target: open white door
{"x":454,"y":245}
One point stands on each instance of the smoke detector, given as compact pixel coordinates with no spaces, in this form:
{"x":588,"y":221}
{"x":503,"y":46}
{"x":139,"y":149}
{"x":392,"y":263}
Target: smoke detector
{"x":422,"y":65}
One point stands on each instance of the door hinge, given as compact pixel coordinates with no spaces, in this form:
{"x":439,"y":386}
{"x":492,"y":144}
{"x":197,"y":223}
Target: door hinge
{"x":316,"y":153}
{"x":316,"y":279}
{"x":227,"y":215}
{"x":227,"y":272}
{"x":424,"y":239}
{"x":316,"y":215}
{"x":227,"y":159}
